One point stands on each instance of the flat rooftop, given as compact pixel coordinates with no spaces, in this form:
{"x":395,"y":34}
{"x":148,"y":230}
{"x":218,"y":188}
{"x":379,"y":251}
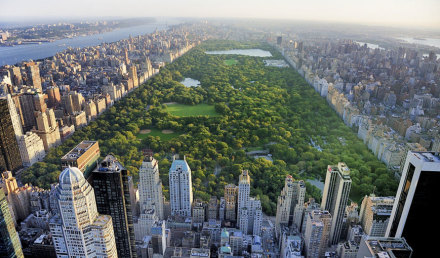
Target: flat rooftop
{"x":428,"y":156}
{"x":381,"y":245}
{"x":79,"y":150}
{"x":110,"y":164}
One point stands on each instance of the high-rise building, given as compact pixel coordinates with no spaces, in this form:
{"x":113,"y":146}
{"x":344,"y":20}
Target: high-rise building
{"x":418,"y":191}
{"x":27,"y":108}
{"x":9,"y":151}
{"x":283,"y":205}
{"x":317,"y":233}
{"x":31,"y":148}
{"x":249,"y":211}
{"x":79,"y":230}
{"x":181,"y":195}
{"x":375,"y":214}
{"x":39,"y":102}
{"x":385,"y":247}
{"x":18,"y":197}
{"x":150,"y":187}
{"x":47,"y":129}
{"x":15,"y":117}
{"x":10,"y":245}
{"x":230,"y":197}
{"x":53,"y":96}
{"x":244,"y":190}
{"x":297,"y":206}
{"x":290,"y":206}
{"x":17,"y":79}
{"x":212,"y":208}
{"x":83,"y":156}
{"x":110,"y":182}
{"x":198,"y":213}
{"x":133,"y":75}
{"x":34,"y":79}
{"x":335,"y":196}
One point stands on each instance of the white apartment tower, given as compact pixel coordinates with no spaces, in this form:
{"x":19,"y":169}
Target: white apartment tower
{"x":249,"y":210}
{"x":335,"y":196}
{"x":150,"y":187}
{"x":79,"y":230}
{"x":244,"y":190}
{"x":181,"y":195}
{"x":283,"y":204}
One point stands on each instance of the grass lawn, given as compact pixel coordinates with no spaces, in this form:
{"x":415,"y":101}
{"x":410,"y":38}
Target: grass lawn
{"x":156,"y":132}
{"x":182,"y":110}
{"x":230,"y":62}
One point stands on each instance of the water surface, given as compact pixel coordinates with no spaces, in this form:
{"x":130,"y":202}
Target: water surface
{"x":245,"y":52}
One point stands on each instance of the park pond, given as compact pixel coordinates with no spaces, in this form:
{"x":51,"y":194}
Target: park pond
{"x":189,"y":82}
{"x":246,"y":52}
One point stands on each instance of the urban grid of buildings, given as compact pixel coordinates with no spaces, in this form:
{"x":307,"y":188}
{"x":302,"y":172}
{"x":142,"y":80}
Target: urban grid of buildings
{"x":390,"y":96}
{"x":95,"y":210}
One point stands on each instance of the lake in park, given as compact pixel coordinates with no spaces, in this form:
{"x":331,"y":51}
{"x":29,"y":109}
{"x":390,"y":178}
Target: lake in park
{"x":189,"y":82}
{"x":244,"y":52}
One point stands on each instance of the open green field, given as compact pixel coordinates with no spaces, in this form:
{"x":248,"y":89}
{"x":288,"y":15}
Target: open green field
{"x":182,"y":110}
{"x":156,"y":132}
{"x":230,"y":61}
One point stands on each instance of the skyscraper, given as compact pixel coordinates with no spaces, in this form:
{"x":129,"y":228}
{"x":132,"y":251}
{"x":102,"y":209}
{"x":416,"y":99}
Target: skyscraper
{"x":79,"y":230}
{"x":335,"y":196}
{"x":231,"y":202}
{"x":110,"y":182}
{"x":290,"y":206}
{"x":9,"y":242}
{"x":150,"y":187}
{"x":283,"y":205}
{"x":249,"y":211}
{"x":244,"y":190}
{"x":181,"y":195}
{"x":34,"y":79}
{"x":417,"y":193}
{"x":9,"y":152}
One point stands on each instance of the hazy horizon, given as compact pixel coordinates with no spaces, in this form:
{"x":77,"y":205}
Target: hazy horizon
{"x":422,"y":14}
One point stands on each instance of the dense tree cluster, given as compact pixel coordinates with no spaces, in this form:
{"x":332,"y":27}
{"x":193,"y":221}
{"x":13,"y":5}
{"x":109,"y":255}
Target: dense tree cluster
{"x":261,"y":107}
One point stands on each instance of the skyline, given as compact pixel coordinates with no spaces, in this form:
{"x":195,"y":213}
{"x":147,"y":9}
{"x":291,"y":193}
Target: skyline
{"x":394,"y":13}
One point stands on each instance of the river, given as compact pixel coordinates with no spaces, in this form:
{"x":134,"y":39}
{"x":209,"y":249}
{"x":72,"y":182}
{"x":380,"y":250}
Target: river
{"x":15,"y":54}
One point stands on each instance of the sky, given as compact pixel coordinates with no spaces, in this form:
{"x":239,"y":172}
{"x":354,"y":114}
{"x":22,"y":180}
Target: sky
{"x":402,"y":13}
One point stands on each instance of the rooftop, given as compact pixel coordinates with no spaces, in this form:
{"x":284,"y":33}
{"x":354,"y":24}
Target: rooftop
{"x":109,"y":164}
{"x":79,"y":150}
{"x":382,"y":245}
{"x":428,"y":156}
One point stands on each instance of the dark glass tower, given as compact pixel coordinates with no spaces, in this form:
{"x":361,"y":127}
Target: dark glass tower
{"x":112,"y":193}
{"x":413,"y":215}
{"x":9,"y":242}
{"x":9,"y":153}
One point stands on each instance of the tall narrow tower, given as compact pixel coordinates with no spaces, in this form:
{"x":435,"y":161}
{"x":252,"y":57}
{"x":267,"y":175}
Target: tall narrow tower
{"x":110,"y":181}
{"x":150,"y":187}
{"x":79,"y":230}
{"x":335,"y":196}
{"x":9,"y":242}
{"x":181,"y":195}
{"x":9,"y":151}
{"x":243,"y":209}
{"x":231,"y":202}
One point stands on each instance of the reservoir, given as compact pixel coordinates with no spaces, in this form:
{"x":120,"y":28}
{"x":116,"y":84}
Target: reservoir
{"x":244,"y":52}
